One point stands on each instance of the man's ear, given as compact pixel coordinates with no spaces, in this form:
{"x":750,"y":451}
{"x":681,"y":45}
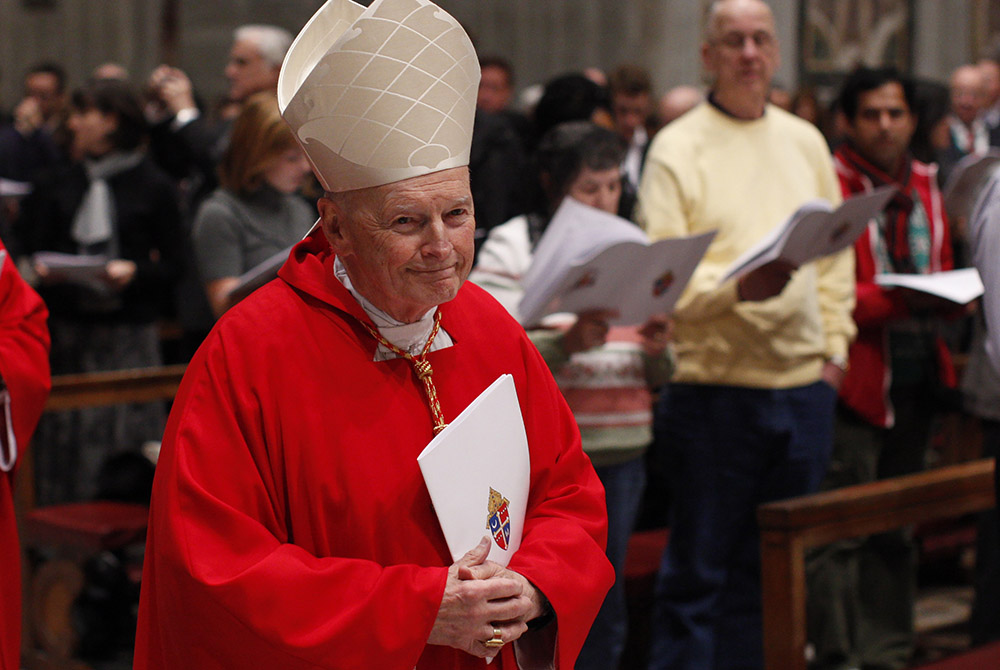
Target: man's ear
{"x":332,"y":220}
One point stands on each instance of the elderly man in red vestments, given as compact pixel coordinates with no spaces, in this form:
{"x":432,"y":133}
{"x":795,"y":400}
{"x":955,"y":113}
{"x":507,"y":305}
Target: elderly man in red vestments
{"x":24,"y":386}
{"x":290,"y":525}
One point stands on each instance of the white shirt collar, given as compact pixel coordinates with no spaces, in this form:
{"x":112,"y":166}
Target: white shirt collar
{"x":410,"y":337}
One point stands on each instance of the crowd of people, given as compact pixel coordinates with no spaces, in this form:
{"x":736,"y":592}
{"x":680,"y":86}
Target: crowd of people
{"x":786,"y":381}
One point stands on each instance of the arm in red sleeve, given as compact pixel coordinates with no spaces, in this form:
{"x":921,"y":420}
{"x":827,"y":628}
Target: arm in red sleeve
{"x":24,"y":351}
{"x":24,"y":366}
{"x":877,"y":306}
{"x":224,"y":584}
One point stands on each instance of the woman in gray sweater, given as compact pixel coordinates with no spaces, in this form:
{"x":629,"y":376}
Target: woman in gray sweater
{"x":256,"y":212}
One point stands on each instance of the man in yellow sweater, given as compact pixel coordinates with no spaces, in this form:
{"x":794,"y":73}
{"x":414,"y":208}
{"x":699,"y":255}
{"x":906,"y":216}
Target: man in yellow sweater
{"x":749,"y":418}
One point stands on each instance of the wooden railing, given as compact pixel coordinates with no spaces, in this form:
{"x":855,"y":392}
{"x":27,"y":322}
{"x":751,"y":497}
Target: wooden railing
{"x":789,"y":527}
{"x":48,"y":638}
{"x":96,"y":389}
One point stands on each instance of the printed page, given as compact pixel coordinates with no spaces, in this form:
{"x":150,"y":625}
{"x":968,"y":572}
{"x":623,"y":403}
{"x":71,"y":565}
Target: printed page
{"x":575,"y":234}
{"x":477,"y":472}
{"x":959,"y":286}
{"x":637,"y":280}
{"x":813,"y":231}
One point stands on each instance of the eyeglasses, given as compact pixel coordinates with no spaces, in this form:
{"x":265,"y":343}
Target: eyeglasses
{"x":761,"y":39}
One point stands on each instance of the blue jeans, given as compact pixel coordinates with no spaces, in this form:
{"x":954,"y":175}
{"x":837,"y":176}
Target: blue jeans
{"x":729,"y":450}
{"x":623,"y":485}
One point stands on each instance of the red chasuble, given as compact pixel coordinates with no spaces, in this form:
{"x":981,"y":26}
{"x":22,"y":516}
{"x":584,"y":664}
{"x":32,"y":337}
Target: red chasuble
{"x":290,"y":526}
{"x":24,"y":365}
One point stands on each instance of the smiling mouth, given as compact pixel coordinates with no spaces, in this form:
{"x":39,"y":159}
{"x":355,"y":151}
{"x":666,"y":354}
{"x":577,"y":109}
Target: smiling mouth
{"x":435,"y":271}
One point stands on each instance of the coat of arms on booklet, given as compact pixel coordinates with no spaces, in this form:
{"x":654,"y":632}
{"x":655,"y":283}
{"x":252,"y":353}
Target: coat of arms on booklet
{"x":479,"y":463}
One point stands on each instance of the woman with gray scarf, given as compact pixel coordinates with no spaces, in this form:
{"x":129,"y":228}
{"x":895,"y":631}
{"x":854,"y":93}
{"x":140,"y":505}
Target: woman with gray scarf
{"x":116,"y":207}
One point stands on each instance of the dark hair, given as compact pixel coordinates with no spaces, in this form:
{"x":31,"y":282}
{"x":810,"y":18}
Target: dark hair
{"x":49,"y":67}
{"x":112,"y":96}
{"x":932,"y":104}
{"x":501,"y":63}
{"x":569,"y":147}
{"x":864,"y":79}
{"x":630,"y":79}
{"x":570,"y":97}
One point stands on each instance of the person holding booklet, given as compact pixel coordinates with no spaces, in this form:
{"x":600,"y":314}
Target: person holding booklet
{"x":861,"y":593}
{"x":606,"y":374}
{"x":118,"y":211}
{"x":256,"y":212}
{"x":290,"y":525}
{"x":749,"y":412}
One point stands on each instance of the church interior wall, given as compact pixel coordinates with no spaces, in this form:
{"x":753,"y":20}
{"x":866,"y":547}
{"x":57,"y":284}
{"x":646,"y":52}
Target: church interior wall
{"x":542,"y":39}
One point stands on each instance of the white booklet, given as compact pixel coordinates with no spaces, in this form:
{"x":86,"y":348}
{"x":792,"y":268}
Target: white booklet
{"x":966,"y":180}
{"x":263,"y":272}
{"x":72,"y":267}
{"x":9,"y":187}
{"x":477,"y":471}
{"x":258,"y":275}
{"x":590,"y":259}
{"x":959,"y":286}
{"x":814,"y":230}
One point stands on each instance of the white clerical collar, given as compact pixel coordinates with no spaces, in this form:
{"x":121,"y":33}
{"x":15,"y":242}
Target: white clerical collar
{"x":410,"y":337}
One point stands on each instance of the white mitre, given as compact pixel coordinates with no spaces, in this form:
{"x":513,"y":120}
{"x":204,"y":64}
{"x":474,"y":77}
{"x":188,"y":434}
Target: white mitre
{"x":381,"y":94}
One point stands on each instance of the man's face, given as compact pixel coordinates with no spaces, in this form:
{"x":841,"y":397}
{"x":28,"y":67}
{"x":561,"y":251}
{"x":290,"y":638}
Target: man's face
{"x":494,"y":90}
{"x":407,"y":246}
{"x":248,"y":72}
{"x":990,"y":71}
{"x":44,"y":88}
{"x":631,"y":112}
{"x":883,"y":126}
{"x":741,"y":52}
{"x":967,"y":93}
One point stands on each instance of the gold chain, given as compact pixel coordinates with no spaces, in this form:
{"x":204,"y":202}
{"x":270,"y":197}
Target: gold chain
{"x":421,"y":366}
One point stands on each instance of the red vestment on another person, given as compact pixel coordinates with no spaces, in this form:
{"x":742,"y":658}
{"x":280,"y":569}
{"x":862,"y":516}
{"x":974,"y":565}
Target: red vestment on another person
{"x":865,"y":388}
{"x":290,"y":525}
{"x":24,"y":366}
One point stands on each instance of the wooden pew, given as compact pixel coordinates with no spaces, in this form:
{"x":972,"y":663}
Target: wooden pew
{"x":789,"y":527}
{"x":78,"y":530}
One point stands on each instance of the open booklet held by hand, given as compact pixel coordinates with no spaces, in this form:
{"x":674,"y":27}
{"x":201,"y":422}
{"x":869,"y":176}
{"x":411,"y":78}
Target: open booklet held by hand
{"x":959,"y":286}
{"x":477,"y":472}
{"x":589,"y":259}
{"x":813,"y":231}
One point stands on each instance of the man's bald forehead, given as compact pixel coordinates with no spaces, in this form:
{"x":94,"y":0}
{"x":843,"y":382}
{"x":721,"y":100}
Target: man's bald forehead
{"x":721,"y":8}
{"x":370,"y":199}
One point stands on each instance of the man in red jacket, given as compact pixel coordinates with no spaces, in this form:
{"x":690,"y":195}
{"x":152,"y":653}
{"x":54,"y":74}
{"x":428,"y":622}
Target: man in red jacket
{"x":861,"y":591}
{"x":24,"y":386}
{"x":290,"y":526}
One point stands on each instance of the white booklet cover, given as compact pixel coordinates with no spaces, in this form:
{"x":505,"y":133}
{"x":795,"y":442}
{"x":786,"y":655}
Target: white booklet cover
{"x":590,"y":259}
{"x":814,"y":230}
{"x":72,"y":267}
{"x":9,"y":187}
{"x":477,"y":472}
{"x":959,"y":286}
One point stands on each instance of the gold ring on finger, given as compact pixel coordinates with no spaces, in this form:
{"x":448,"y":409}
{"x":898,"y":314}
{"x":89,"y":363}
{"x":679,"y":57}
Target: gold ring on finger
{"x":496,"y":641}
